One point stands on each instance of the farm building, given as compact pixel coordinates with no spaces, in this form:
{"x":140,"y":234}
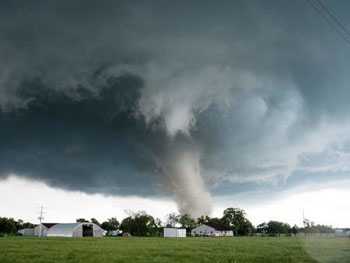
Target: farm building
{"x":174,"y":232}
{"x":44,"y":228}
{"x":26,"y":232}
{"x":75,"y":230}
{"x":212,"y":230}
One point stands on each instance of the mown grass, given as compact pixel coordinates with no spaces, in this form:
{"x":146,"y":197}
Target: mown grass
{"x":236,"y":249}
{"x":328,"y":249}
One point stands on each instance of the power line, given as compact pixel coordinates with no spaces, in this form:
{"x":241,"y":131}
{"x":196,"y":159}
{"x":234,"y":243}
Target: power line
{"x":334,"y":18}
{"x":328,"y":20}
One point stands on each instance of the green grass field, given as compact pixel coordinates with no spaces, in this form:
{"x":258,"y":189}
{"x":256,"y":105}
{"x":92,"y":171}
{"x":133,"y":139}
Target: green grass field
{"x":134,"y":249}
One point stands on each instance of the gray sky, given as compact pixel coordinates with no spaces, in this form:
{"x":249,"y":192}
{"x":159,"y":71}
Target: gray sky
{"x":189,"y":100}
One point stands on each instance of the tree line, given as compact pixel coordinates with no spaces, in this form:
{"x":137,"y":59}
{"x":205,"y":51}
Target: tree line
{"x":142,"y":224}
{"x":11,"y":226}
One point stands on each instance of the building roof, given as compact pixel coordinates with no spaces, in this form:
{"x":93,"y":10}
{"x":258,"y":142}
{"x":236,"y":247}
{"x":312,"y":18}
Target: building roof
{"x":64,"y":226}
{"x":217,"y":227}
{"x":49,"y":225}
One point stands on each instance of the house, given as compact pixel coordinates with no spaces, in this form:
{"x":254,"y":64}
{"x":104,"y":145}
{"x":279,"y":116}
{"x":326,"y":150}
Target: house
{"x":212,"y":230}
{"x":85,"y":229}
{"x":174,"y":232}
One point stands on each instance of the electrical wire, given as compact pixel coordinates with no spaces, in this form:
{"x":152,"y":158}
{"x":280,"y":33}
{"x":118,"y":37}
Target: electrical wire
{"x":329,"y":21}
{"x":334,"y":18}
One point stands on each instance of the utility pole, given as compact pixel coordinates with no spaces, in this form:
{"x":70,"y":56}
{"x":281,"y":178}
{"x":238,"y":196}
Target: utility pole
{"x":41,"y":217}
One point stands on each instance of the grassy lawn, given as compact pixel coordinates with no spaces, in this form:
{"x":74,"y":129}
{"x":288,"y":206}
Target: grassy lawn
{"x":134,"y":249}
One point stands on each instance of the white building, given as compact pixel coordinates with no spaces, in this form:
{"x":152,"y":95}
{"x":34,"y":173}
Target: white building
{"x":26,"y":231}
{"x":212,"y":230}
{"x":174,"y":232}
{"x":75,"y":230}
{"x":44,"y":227}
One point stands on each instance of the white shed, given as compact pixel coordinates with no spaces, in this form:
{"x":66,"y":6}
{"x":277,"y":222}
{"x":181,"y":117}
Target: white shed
{"x":26,"y":231}
{"x":75,"y":230}
{"x":212,"y":230}
{"x":174,"y":232}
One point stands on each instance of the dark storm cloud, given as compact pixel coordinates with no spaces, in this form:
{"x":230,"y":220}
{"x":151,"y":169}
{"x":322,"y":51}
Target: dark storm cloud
{"x":88,"y":144}
{"x":119,"y":97}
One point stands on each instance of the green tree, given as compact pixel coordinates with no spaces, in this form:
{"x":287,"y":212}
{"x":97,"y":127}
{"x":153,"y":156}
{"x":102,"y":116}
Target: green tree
{"x":276,"y":228}
{"x":111,"y":224}
{"x":215,"y":220}
{"x":158,"y":228}
{"x":209,"y":220}
{"x":94,"y":220}
{"x":236,"y":219}
{"x":172,"y":219}
{"x":294,"y":229}
{"x":145,"y":223}
{"x":81,"y":220}
{"x":318,"y":229}
{"x":262,"y":228}
{"x":128,"y":225}
{"x":203,"y":220}
{"x":139,"y":224}
{"x":186,"y":221}
{"x":20,"y":224}
{"x":324,"y":229}
{"x":7,"y":225}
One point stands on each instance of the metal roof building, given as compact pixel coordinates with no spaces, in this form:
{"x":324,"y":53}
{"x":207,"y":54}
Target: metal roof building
{"x":26,"y":232}
{"x":75,"y":230}
{"x":44,"y":227}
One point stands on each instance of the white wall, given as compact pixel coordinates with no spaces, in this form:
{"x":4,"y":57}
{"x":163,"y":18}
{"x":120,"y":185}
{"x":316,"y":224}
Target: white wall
{"x":73,"y":230}
{"x":203,"y":230}
{"x":26,"y":231}
{"x":43,"y":230}
{"x":174,"y":232}
{"x":98,"y":231}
